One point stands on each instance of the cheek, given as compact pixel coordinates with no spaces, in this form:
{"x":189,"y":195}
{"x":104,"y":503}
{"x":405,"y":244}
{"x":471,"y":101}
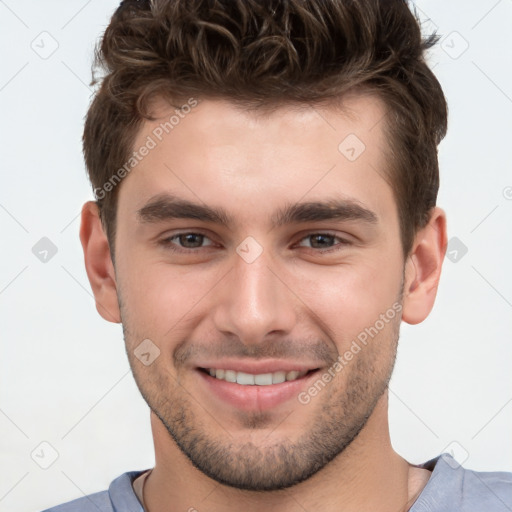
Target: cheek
{"x":161,"y":298}
{"x":348,"y":299}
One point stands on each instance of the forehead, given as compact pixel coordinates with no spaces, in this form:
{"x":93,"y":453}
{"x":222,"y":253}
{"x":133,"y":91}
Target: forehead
{"x":216,"y":153}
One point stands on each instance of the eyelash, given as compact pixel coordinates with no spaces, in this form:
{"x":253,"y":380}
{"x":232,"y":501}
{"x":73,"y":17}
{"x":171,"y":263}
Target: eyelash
{"x":167,"y":242}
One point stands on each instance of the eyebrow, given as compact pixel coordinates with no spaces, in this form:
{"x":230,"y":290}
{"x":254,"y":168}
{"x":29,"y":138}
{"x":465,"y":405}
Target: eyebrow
{"x":167,"y":207}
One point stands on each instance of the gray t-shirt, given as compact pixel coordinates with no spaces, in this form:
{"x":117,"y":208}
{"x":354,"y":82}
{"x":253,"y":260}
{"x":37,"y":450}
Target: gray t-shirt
{"x":451,"y":488}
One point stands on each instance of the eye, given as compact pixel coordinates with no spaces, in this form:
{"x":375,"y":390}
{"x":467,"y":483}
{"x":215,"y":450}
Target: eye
{"x":185,"y":242}
{"x":325,"y":242}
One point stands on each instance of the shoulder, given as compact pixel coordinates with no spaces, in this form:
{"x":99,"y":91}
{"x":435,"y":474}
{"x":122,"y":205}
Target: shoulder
{"x":98,"y":501}
{"x":452,"y":487}
{"x":492,"y":490}
{"x":120,"y":497}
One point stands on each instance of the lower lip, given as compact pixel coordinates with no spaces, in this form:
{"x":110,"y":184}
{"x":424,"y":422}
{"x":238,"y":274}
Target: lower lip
{"x":250,"y":398}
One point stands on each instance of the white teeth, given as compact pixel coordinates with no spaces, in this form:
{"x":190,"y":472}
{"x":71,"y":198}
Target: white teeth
{"x":244,"y":378}
{"x":292,"y":375}
{"x":262,"y":379}
{"x":278,"y":377}
{"x":230,"y":376}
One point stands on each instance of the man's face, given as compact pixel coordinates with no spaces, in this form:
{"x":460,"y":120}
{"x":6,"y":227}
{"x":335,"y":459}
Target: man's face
{"x":275,"y":283}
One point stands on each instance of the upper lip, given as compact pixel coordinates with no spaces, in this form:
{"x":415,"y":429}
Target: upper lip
{"x":257,"y":367}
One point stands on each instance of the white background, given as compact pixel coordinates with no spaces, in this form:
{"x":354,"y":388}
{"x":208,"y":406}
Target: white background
{"x":64,"y":374}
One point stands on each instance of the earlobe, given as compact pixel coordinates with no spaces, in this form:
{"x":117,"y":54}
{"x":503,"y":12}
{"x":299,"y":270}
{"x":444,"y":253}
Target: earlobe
{"x":423,"y":268}
{"x":98,"y":263}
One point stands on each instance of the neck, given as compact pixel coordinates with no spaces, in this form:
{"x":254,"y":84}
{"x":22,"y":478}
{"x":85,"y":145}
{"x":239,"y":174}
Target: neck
{"x":367,"y":475}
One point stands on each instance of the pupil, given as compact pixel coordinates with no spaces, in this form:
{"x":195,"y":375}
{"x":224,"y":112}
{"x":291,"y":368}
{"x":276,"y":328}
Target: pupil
{"x":188,"y":240}
{"x":324,"y":240}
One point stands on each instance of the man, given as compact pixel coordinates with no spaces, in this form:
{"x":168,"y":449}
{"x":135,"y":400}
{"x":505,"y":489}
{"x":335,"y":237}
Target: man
{"x":266,"y":179}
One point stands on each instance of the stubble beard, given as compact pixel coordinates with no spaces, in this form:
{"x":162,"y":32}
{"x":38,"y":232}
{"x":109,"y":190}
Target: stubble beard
{"x":342,"y":410}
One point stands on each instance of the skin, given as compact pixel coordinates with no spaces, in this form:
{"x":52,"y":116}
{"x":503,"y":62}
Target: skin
{"x":293,"y":302}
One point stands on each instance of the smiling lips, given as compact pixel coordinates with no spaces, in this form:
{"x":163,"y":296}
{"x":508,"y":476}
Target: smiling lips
{"x":261,"y":386}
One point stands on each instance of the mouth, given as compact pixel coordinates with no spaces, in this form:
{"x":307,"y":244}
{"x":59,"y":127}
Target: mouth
{"x":255,"y":391}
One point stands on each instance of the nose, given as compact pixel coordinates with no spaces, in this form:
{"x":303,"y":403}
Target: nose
{"x":254,"y":302}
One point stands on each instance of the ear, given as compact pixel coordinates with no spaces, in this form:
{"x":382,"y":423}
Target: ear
{"x":98,"y":263}
{"x":423,"y":268}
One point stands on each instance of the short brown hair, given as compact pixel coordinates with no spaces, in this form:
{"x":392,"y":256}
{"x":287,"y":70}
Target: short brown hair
{"x":269,"y":52}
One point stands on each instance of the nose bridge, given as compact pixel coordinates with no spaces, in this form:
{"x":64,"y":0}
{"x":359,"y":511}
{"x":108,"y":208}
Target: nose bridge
{"x":254,"y":302}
